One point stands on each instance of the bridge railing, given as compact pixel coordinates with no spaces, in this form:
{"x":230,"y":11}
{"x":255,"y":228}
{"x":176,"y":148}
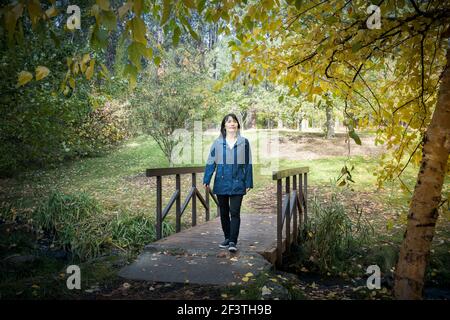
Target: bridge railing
{"x":292,"y":205}
{"x":192,"y":195}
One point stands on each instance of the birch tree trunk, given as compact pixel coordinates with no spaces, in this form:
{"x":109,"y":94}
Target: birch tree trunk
{"x":423,"y":211}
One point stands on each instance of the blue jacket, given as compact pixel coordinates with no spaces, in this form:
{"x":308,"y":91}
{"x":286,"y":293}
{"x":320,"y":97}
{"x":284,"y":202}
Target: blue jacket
{"x":234,"y":172}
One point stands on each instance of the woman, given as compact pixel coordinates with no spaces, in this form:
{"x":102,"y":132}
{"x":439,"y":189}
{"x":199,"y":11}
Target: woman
{"x":230,"y":154}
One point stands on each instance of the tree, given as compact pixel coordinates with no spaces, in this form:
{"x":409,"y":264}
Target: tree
{"x":387,"y":77}
{"x":393,"y":71}
{"x":164,"y":102}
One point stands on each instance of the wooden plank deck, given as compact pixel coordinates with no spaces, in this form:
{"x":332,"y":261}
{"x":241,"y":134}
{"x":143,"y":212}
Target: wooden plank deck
{"x":194,"y":255}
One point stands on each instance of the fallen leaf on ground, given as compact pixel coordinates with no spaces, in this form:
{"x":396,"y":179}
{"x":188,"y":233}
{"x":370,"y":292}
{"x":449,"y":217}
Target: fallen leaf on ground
{"x":266,"y":291}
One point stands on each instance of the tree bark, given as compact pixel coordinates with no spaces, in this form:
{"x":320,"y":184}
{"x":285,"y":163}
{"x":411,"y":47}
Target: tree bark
{"x":329,"y":124}
{"x":251,"y":119}
{"x":213,"y":38}
{"x":423,"y":211}
{"x":280,"y":124}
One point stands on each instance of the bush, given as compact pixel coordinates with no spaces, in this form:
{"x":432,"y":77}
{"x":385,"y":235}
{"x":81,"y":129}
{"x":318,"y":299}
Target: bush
{"x":39,"y":125}
{"x":99,"y":131}
{"x":75,"y":221}
{"x":77,"y":224}
{"x":333,"y":238}
{"x":135,"y":231}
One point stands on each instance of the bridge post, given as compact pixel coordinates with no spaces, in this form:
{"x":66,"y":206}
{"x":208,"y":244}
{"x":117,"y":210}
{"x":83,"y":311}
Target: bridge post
{"x":295,"y":228}
{"x":178,"y":204}
{"x":194,"y":201}
{"x":305,"y":214}
{"x":288,"y":215}
{"x":207,"y":203}
{"x":300,"y":193}
{"x":158,"y":207}
{"x":279,"y":223}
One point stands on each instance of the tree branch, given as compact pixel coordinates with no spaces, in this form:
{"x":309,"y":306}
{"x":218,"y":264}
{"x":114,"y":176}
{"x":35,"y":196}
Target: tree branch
{"x":416,"y":7}
{"x":299,"y":14}
{"x":409,"y":160}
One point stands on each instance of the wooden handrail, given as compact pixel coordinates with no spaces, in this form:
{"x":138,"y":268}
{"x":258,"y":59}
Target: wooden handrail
{"x":193,"y":194}
{"x":289,"y":172}
{"x":171,"y":171}
{"x":290,"y":204}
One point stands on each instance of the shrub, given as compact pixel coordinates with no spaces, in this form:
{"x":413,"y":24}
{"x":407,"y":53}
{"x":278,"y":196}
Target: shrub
{"x":333,"y":238}
{"x":99,"y":131}
{"x":134,"y":231}
{"x":75,"y":221}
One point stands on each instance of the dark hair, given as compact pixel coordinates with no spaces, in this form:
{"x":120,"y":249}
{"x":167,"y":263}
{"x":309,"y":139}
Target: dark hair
{"x":222,"y":126}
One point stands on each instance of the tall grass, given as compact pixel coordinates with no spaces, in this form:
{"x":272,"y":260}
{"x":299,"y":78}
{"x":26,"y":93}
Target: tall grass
{"x":333,"y":237}
{"x":75,"y":223}
{"x":133,"y":231}
{"x":78,"y":224}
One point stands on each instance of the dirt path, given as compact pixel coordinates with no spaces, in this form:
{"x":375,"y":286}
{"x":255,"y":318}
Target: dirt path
{"x":310,"y":147}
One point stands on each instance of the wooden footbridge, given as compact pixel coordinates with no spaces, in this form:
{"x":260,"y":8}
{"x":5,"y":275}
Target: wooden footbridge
{"x":192,"y":255}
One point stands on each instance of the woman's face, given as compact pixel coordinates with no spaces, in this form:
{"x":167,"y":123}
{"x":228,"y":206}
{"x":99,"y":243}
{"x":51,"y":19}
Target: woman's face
{"x":231,"y":125}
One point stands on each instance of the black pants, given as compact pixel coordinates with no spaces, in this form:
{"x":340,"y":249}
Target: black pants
{"x":230,"y":205}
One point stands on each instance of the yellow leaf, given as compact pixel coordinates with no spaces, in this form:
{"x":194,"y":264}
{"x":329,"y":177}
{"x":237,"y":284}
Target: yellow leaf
{"x":51,"y":12}
{"x":189,"y":3}
{"x":138,"y":29}
{"x":103,"y":4}
{"x":86,"y":58}
{"x":104,"y":69}
{"x":75,"y":68}
{"x":245,"y":279}
{"x":218,"y":86}
{"x":23,"y":78}
{"x":137,"y":4}
{"x":224,"y":295}
{"x":317,"y":90}
{"x":124,"y":9}
{"x":95,"y":11}
{"x":35,"y":11}
{"x":66,"y":91}
{"x":84,"y":61}
{"x":249,"y":274}
{"x":90,"y":69}
{"x":167,"y":6}
{"x":41,"y":72}
{"x":11,"y":17}
{"x":72,"y":83}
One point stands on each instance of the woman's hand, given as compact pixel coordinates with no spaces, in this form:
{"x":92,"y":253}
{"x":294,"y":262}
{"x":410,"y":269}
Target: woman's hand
{"x":206,"y":186}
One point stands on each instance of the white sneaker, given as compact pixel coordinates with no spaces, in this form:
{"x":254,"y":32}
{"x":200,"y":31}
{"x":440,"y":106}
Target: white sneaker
{"x":232,"y":247}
